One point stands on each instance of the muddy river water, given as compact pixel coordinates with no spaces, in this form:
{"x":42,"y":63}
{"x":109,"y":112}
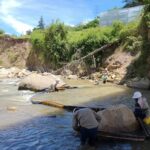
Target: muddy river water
{"x":37,"y":127}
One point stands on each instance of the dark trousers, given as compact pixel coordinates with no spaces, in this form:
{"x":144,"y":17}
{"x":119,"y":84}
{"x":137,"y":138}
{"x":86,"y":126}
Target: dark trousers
{"x":138,"y":112}
{"x":88,"y":134}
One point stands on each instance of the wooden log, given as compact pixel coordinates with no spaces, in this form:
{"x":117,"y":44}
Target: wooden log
{"x":104,"y":47}
{"x":52,"y":103}
{"x":138,"y":138}
{"x":121,"y":136}
{"x":144,"y":128}
{"x":67,"y":107}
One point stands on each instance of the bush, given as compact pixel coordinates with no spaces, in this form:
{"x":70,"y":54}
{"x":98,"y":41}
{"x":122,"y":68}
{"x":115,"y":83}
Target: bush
{"x":1,"y":31}
{"x":91,"y":24}
{"x":37,"y":39}
{"x":117,"y":26}
{"x":134,"y":44}
{"x":130,"y":29}
{"x":55,"y":43}
{"x":88,"y":39}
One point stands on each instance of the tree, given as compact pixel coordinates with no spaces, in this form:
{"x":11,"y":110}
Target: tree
{"x":1,"y":31}
{"x":132,"y":3}
{"x":41,"y":23}
{"x":93,"y":23}
{"x":28,"y":32}
{"x":56,"y":43}
{"x":90,"y":24}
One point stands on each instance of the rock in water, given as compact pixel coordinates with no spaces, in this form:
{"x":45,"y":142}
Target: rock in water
{"x":117,"y":119}
{"x":143,"y":83}
{"x":11,"y":108}
{"x":37,"y":82}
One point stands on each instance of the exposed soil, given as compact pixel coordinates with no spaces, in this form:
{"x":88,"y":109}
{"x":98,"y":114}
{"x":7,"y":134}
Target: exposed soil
{"x":14,"y":52}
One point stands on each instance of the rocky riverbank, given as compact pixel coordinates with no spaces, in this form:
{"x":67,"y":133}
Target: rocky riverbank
{"x":35,"y":81}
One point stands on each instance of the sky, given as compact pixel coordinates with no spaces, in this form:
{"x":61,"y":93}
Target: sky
{"x":18,"y":16}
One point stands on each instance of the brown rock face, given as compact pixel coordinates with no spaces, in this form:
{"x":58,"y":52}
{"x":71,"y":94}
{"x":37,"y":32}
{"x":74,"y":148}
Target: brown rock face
{"x":117,"y":119}
{"x":14,"y":52}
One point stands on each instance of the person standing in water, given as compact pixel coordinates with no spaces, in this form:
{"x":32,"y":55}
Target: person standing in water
{"x":141,"y":105}
{"x":85,"y":121}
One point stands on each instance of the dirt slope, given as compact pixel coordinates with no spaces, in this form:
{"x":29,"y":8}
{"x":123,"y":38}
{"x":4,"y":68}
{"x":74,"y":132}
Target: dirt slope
{"x":14,"y":52}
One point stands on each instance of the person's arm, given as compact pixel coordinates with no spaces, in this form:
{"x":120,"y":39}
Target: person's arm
{"x":143,"y":103}
{"x":146,"y":103}
{"x":98,"y":118}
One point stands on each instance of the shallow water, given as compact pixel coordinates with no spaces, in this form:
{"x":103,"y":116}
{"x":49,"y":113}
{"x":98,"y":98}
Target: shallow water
{"x":37,"y":127}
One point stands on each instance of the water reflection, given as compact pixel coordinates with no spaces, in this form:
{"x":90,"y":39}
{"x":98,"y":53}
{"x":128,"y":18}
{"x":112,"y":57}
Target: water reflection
{"x":47,"y":132}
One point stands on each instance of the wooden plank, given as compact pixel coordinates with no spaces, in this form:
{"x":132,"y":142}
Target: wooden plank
{"x":140,"y":139}
{"x":67,"y":107}
{"x":121,"y":136}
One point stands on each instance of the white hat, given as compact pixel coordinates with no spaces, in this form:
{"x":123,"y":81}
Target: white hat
{"x":137,"y":95}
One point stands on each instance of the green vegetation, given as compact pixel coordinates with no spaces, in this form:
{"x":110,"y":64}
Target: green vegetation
{"x":41,"y":23}
{"x":90,"y":24}
{"x":37,"y":39}
{"x":132,"y":3}
{"x":56,"y":44}
{"x":141,"y":65}
{"x":59,"y":44}
{"x":1,"y":62}
{"x":1,"y":32}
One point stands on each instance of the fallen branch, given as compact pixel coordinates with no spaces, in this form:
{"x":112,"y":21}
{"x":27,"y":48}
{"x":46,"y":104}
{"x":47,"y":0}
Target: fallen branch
{"x":88,"y":55}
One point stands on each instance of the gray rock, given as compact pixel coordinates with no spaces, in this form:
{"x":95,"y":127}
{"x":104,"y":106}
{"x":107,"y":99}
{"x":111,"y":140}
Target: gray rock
{"x":11,"y":108}
{"x":37,"y":82}
{"x":117,"y":119}
{"x":143,"y":83}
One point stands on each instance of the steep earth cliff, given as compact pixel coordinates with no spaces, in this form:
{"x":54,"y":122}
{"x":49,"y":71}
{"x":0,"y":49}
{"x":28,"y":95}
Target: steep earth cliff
{"x":14,"y":52}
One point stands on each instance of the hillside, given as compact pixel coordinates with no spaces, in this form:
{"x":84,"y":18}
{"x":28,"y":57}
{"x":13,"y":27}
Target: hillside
{"x":14,"y":52}
{"x":58,"y":45}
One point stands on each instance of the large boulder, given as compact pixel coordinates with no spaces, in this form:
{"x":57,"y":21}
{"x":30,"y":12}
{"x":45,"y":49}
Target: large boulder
{"x":38,"y":82}
{"x":117,"y":119}
{"x":143,"y":83}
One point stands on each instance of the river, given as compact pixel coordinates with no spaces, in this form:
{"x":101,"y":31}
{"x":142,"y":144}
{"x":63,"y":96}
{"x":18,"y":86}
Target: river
{"x":38,"y":127}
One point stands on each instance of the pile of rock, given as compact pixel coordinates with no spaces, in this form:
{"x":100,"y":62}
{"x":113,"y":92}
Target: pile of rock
{"x":13,"y":72}
{"x":112,"y":77}
{"x":34,"y":81}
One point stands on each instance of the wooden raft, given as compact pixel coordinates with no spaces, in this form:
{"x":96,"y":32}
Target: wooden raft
{"x":101,"y":134}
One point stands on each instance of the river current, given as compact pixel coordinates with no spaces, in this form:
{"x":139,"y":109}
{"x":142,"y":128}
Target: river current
{"x":38,"y":127}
